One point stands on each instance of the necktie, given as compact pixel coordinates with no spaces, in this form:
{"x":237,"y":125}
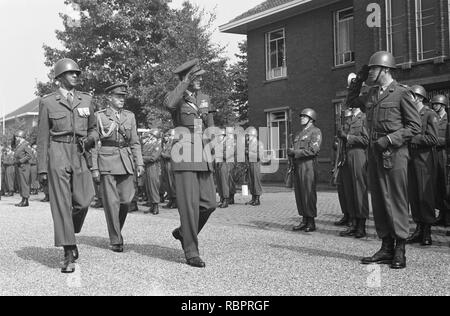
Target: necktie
{"x":70,"y":98}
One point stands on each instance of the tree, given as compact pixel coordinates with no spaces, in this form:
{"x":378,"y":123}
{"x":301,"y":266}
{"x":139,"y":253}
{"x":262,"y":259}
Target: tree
{"x":140,"y":42}
{"x":239,"y":74}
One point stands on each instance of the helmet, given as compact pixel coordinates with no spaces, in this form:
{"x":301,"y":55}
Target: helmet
{"x":383,"y":59}
{"x":420,"y":91}
{"x":252,"y":131}
{"x":440,"y":99}
{"x":309,"y":113}
{"x":65,"y":65}
{"x":20,"y":133}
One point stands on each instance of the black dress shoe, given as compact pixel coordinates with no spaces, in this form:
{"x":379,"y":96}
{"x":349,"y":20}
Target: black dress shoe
{"x":399,"y":261}
{"x":196,"y":262}
{"x":417,"y":236}
{"x":69,"y":261}
{"x":232,"y":201}
{"x":252,"y":202}
{"x":361,"y":229}
{"x":117,"y":248}
{"x":224,"y":204}
{"x":257,"y":201}
{"x":24,"y":203}
{"x":177,"y":235}
{"x":343,"y":222}
{"x":310,"y":226}
{"x":155,"y":210}
{"x":76,"y":254}
{"x":174,"y":205}
{"x":300,"y":227}
{"x":384,"y":256}
{"x":427,"y":241}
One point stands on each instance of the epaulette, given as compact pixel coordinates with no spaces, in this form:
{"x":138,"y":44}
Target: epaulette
{"x":405,"y":86}
{"x":48,"y":95}
{"x":101,"y":111}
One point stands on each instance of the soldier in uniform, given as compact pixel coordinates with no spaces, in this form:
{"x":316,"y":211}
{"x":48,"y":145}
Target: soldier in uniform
{"x":192,"y":111}
{"x":34,"y":181}
{"x":67,"y":131}
{"x":422,"y":171}
{"x":114,"y":163}
{"x":168,"y":174}
{"x":224,"y":163}
{"x":23,"y":156}
{"x":306,"y":148}
{"x":151,"y":153}
{"x":392,"y":121}
{"x":439,"y":104}
{"x":253,"y":153}
{"x":354,"y":174}
{"x":345,"y":220}
{"x":10,"y":171}
{"x":2,"y":184}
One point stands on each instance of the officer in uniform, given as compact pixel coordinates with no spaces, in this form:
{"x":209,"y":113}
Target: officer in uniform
{"x":34,"y":181}
{"x":392,"y":121}
{"x":253,"y":153}
{"x":151,"y":153}
{"x":168,"y":175}
{"x":354,"y":174}
{"x":23,"y":156}
{"x":192,"y":111}
{"x":306,"y":149}
{"x":345,"y":221}
{"x":422,"y":171}
{"x":67,"y":131}
{"x":10,"y":171}
{"x":114,"y":163}
{"x":439,"y":104}
{"x":224,"y":165}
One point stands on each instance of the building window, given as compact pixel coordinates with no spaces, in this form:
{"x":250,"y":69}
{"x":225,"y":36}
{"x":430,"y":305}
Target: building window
{"x":344,"y":47}
{"x":276,"y":55}
{"x":278,"y":124}
{"x":425,"y":29}
{"x":397,"y":30}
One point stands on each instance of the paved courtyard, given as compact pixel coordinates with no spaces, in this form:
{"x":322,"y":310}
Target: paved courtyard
{"x":248,"y":251}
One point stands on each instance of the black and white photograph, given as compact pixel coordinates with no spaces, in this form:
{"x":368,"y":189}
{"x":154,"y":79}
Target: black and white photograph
{"x":225,"y":154}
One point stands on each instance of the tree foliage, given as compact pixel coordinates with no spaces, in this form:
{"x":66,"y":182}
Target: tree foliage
{"x":141,"y":42}
{"x":239,"y":75}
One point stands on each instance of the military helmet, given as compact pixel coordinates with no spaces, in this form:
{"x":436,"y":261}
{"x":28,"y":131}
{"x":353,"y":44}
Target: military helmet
{"x":383,"y":59}
{"x":440,"y":99}
{"x":420,"y":91}
{"x":20,"y":133}
{"x":309,"y":113}
{"x":252,"y":131}
{"x":66,"y":65}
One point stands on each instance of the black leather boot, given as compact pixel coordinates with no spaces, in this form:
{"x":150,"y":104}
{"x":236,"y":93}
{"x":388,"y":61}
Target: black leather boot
{"x":23,"y":203}
{"x":220,"y":203}
{"x":155,"y":210}
{"x":343,"y":222}
{"x":427,"y":240}
{"x":232,"y":202}
{"x":69,"y":260}
{"x":252,"y":202}
{"x":224,"y":203}
{"x":150,"y":210}
{"x":174,"y":204}
{"x":417,"y":236}
{"x":351,"y":231}
{"x":76,"y":253}
{"x":399,"y":261}
{"x":361,"y":229}
{"x":300,"y":227}
{"x":384,"y":256}
{"x":310,"y":225}
{"x":257,"y":201}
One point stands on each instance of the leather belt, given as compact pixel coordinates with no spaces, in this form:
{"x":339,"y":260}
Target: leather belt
{"x":110,"y":143}
{"x":67,"y":139}
{"x":376,"y":135}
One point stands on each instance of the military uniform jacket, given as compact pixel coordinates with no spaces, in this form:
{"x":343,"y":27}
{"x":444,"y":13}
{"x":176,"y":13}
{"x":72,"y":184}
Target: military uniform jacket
{"x":428,"y":136}
{"x":307,"y":144}
{"x":33,"y":160}
{"x":23,"y":154}
{"x":393,"y":114}
{"x":151,"y":151}
{"x":254,"y":150}
{"x":186,"y":109}
{"x":58,"y":118}
{"x":442,"y":128}
{"x":358,"y":137}
{"x":227,"y":154}
{"x":121,"y":149}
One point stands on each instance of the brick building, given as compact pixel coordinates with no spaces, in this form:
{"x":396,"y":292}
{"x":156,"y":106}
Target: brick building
{"x":26,"y":117}
{"x":301,"y":52}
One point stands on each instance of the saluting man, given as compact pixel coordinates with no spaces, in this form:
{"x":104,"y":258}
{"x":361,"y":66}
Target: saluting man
{"x":422,"y":171}
{"x":151,"y":153}
{"x":115,"y":162}
{"x":23,"y":155}
{"x":192,"y":110}
{"x":392,"y":121}
{"x":306,"y":149}
{"x":67,"y":130}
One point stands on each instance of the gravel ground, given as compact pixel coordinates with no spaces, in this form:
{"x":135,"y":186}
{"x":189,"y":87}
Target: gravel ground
{"x":248,"y":251}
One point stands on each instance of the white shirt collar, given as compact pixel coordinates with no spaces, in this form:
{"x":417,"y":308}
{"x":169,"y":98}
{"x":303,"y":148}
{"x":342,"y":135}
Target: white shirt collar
{"x":65,"y":92}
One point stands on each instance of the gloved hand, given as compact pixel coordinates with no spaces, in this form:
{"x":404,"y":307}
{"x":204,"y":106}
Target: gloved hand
{"x":291,"y":152}
{"x":96,"y":176}
{"x":342,"y":134}
{"x":140,"y":171}
{"x":43,"y":179}
{"x":383,"y":143}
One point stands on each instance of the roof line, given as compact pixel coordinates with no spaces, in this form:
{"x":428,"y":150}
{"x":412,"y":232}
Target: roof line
{"x":261,"y":15}
{"x":21,"y":115}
